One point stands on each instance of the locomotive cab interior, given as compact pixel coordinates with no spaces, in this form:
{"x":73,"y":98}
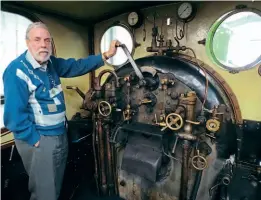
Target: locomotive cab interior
{"x":175,"y":114}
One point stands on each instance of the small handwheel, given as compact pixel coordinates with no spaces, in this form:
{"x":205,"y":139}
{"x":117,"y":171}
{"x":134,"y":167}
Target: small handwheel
{"x":174,"y":121}
{"x":199,"y":162}
{"x":213,"y":125}
{"x":104,"y":108}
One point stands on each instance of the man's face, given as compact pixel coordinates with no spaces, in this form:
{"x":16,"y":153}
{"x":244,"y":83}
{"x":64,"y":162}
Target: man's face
{"x":39,"y":44}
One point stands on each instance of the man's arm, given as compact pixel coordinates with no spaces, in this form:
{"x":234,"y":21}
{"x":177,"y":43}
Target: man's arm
{"x":16,"y":116}
{"x":71,"y":68}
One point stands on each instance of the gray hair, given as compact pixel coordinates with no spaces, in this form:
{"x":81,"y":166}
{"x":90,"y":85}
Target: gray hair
{"x":35,"y":25}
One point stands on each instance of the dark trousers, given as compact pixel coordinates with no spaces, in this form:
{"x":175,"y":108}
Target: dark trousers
{"x":45,"y":165}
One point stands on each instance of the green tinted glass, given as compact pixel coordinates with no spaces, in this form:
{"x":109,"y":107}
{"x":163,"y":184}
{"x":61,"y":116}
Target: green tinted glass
{"x":234,"y":41}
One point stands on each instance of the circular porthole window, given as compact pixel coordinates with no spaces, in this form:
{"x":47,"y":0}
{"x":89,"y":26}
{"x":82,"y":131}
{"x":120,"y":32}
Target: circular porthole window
{"x":122,"y":34}
{"x":234,"y":40}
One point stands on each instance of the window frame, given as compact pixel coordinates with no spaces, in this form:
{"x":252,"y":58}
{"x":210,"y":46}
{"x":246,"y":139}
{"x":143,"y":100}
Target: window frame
{"x":211,"y":34}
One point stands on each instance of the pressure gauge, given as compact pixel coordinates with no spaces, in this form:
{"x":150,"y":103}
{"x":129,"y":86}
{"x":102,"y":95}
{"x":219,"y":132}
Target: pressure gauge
{"x":186,"y":11}
{"x":134,"y":19}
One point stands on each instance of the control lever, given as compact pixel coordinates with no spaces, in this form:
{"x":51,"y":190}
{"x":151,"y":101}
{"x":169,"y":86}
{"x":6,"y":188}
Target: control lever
{"x":77,"y":90}
{"x":133,"y":64}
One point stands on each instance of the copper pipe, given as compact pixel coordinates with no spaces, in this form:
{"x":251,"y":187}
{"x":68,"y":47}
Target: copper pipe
{"x":102,"y":164}
{"x":109,"y":160}
{"x":97,"y":80}
{"x":94,"y":154}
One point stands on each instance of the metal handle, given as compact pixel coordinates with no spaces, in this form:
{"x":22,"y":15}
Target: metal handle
{"x":133,"y":64}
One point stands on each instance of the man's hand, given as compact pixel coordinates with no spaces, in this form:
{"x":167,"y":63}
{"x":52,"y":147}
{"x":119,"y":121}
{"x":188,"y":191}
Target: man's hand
{"x":37,"y":144}
{"x":113,"y":49}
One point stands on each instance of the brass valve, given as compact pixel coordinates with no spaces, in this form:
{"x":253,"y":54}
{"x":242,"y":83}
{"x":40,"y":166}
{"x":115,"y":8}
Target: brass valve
{"x":104,"y":108}
{"x":199,"y":162}
{"x":127,"y":113}
{"x":162,"y":121}
{"x":213,"y":125}
{"x":166,"y":81}
{"x":145,"y":101}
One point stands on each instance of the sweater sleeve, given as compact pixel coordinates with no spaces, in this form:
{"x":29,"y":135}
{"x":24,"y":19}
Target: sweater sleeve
{"x":16,"y":115}
{"x":72,"y":68}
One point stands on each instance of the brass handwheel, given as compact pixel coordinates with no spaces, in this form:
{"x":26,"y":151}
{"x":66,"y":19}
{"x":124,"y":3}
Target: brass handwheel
{"x":213,"y":125}
{"x":199,"y":162}
{"x":104,"y":108}
{"x":174,"y":121}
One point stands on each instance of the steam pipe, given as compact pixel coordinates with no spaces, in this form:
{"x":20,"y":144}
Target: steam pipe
{"x":227,"y":175}
{"x":184,"y":176}
{"x":94,"y":154}
{"x":109,"y":160}
{"x":114,"y":169}
{"x":205,"y":150}
{"x":97,"y":85}
{"x":196,"y":185}
{"x":101,"y":147}
{"x":161,"y":48}
{"x":189,"y":102}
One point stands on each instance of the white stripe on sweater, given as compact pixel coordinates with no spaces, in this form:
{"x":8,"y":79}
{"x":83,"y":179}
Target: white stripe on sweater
{"x":40,"y":118}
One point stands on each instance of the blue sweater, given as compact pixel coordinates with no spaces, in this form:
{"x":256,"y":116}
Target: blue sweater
{"x":34,"y":101}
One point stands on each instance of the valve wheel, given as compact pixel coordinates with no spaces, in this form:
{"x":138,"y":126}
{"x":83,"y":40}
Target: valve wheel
{"x":199,"y":162}
{"x":213,"y":125}
{"x":174,"y":121}
{"x":104,"y":108}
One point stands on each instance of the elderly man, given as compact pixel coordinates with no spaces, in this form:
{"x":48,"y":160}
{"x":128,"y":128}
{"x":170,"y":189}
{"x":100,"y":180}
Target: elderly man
{"x":35,"y":108}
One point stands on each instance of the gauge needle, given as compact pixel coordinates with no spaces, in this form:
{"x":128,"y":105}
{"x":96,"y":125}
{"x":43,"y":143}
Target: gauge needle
{"x":184,"y":10}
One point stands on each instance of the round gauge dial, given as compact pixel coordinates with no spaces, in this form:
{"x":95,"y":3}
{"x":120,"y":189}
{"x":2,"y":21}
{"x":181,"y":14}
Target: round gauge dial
{"x":185,"y":11}
{"x":133,"y":18}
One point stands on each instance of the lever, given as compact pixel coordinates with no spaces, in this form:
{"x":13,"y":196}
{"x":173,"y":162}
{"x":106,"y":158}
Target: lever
{"x":77,"y":90}
{"x":133,"y":64}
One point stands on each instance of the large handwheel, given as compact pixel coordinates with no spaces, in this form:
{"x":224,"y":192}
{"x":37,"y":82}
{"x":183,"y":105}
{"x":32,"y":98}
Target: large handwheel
{"x":104,"y":108}
{"x":174,"y":121}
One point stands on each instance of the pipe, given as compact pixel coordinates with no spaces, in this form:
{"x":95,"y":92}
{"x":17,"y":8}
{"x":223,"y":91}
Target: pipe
{"x":94,"y":154}
{"x":223,"y":192}
{"x":102,"y":164}
{"x":114,"y":169}
{"x":196,"y":185}
{"x":114,"y":151}
{"x":189,"y":101}
{"x":98,"y":79}
{"x":184,"y":176}
{"x":205,"y":150}
{"x":109,"y":161}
